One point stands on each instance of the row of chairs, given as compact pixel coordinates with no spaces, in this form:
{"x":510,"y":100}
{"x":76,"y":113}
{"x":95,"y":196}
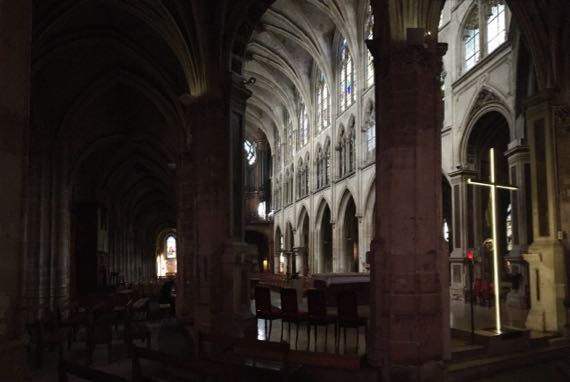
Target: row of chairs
{"x":481,"y":292}
{"x":316,"y":315}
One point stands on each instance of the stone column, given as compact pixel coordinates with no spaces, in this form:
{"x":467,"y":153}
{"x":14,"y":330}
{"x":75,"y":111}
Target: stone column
{"x":546,"y":254}
{"x":519,"y":175}
{"x":409,"y":268}
{"x":462,"y":237}
{"x":214,"y":261}
{"x":204,"y":217}
{"x":15,"y":61}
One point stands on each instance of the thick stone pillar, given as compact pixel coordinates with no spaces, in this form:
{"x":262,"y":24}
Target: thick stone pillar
{"x":213,"y":263}
{"x":546,"y":254}
{"x":409,"y":267}
{"x":462,"y":233}
{"x":519,"y":174}
{"x":15,"y":58}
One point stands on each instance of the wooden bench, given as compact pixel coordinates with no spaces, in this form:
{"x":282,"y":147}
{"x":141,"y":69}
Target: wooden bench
{"x":85,"y":373}
{"x":328,"y":360}
{"x":183,"y":369}
{"x":259,"y":356}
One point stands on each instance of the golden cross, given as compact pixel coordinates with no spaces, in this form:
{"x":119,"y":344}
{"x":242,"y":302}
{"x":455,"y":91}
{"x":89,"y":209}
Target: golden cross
{"x":493,"y":189}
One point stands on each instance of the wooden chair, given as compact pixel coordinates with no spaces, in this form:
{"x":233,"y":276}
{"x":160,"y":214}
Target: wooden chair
{"x":476,"y":290}
{"x":71,"y":318}
{"x":348,"y":316}
{"x":486,"y":294}
{"x":135,"y":329}
{"x":264,"y":310}
{"x":99,"y":329}
{"x":317,"y":315}
{"x":290,"y":313}
{"x":46,"y":333}
{"x":85,"y":373}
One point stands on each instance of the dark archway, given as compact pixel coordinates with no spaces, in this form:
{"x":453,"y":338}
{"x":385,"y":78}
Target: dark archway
{"x":326,"y":258}
{"x":279,"y":246}
{"x":491,"y":131}
{"x":262,"y":243}
{"x":350,"y":238}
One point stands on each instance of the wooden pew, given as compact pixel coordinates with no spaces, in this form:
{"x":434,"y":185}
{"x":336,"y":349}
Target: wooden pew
{"x":85,"y":373}
{"x":183,"y":368}
{"x":263,"y":357}
{"x":328,"y":360}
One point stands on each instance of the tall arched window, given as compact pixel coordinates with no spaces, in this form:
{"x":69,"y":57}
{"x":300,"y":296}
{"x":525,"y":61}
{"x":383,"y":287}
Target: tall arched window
{"x":496,"y":24}
{"x":471,"y":39}
{"x":286,"y":188}
{"x":306,"y":175}
{"x":484,"y":30}
{"x":250,"y":155}
{"x":369,"y":59}
{"x":323,"y":103}
{"x":370,"y":134}
{"x":327,"y":162}
{"x":300,"y":180}
{"x":170,"y":247}
{"x":290,"y":145}
{"x":346,"y":77}
{"x":341,"y":148}
{"x":303,"y":137}
{"x":318,"y":159}
{"x":350,"y":149}
{"x":277,"y":163}
{"x":277,"y":194}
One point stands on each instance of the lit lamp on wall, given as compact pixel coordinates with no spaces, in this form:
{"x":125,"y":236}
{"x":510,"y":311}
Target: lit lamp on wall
{"x":265,"y":265}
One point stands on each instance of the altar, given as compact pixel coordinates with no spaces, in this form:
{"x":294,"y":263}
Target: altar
{"x":333,"y":283}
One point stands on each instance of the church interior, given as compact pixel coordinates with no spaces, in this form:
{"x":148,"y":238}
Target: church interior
{"x":370,"y":190}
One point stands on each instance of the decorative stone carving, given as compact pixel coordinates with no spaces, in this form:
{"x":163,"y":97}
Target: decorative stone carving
{"x":484,"y":98}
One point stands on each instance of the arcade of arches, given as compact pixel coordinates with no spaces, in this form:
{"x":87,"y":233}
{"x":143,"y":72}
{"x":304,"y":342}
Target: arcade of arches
{"x":207,"y":139}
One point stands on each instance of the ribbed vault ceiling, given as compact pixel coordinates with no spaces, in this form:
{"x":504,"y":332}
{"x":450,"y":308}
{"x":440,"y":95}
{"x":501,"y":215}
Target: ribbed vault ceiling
{"x":294,"y":38}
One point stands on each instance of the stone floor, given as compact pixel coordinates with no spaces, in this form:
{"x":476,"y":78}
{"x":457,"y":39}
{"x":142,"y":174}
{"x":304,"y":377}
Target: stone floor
{"x":484,"y":316}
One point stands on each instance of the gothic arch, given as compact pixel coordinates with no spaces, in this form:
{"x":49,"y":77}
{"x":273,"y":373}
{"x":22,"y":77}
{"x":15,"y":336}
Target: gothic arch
{"x":303,"y":212}
{"x":484,"y":102}
{"x":346,"y":194}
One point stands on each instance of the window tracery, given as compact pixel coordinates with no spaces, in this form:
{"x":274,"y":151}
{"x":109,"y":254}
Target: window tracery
{"x":303,"y":137}
{"x":484,"y":30}
{"x":323,"y":103}
{"x":369,"y":59}
{"x":346,"y":77}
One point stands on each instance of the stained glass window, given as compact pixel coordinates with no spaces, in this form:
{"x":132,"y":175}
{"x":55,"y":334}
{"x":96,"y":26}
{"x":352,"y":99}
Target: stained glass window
{"x":346,"y":77}
{"x":369,"y":36}
{"x":171,"y":247}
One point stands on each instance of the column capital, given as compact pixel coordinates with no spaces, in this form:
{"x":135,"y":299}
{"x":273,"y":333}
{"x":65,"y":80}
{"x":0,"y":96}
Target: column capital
{"x":427,"y":54}
{"x":462,"y":173}
{"x":517,"y":148}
